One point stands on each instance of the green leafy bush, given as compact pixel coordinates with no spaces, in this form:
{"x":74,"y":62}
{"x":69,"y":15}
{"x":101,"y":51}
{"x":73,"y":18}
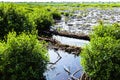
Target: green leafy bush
{"x":56,"y":15}
{"x":66,"y":14}
{"x":43,"y":20}
{"x":24,"y":18}
{"x":22,"y":57}
{"x":101,"y":58}
{"x":13,"y":17}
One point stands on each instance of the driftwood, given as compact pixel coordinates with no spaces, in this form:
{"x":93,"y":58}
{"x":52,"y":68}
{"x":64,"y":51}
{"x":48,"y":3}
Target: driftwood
{"x":71,"y":35}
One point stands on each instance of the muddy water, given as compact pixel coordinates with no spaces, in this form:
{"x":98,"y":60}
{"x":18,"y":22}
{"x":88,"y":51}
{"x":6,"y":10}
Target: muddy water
{"x":68,"y":61}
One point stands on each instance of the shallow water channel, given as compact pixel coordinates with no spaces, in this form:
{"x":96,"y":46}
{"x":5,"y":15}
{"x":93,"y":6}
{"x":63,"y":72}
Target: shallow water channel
{"x":67,"y":63}
{"x":70,"y":41}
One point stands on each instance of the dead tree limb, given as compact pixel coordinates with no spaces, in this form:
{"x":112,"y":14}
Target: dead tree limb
{"x":71,"y":35}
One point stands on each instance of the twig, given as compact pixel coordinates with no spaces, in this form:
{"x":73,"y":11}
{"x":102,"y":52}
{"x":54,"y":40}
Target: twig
{"x":76,"y":72}
{"x":72,"y":75}
{"x":67,"y":70}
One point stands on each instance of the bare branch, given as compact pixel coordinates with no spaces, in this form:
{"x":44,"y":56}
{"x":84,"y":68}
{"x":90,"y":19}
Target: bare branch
{"x":67,"y":70}
{"x":72,"y":75}
{"x":76,"y":71}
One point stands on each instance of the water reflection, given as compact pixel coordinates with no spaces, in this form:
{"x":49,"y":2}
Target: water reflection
{"x":70,"y":41}
{"x":57,"y":71}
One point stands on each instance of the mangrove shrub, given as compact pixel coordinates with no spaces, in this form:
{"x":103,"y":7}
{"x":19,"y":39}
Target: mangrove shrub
{"x":22,"y":57}
{"x":56,"y":15}
{"x":13,"y":17}
{"x":43,"y":20}
{"x":101,"y":58}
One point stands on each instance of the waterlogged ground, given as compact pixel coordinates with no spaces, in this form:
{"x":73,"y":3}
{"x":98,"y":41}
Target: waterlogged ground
{"x":83,"y":21}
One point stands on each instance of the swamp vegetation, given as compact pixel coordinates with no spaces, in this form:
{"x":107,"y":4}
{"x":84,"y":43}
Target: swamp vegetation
{"x":32,"y":34}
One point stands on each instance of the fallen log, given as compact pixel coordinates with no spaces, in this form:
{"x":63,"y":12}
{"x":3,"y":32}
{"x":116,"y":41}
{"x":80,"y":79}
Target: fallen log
{"x":57,"y":45}
{"x":71,"y":35}
{"x":48,"y":40}
{"x":71,"y":49}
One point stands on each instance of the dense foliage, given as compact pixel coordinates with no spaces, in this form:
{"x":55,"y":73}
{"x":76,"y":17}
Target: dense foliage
{"x":22,"y":57}
{"x":101,"y":58}
{"x":43,"y":20}
{"x":25,"y":18}
{"x":13,"y":18}
{"x":56,"y":15}
{"x":74,"y":4}
{"x":28,"y":17}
